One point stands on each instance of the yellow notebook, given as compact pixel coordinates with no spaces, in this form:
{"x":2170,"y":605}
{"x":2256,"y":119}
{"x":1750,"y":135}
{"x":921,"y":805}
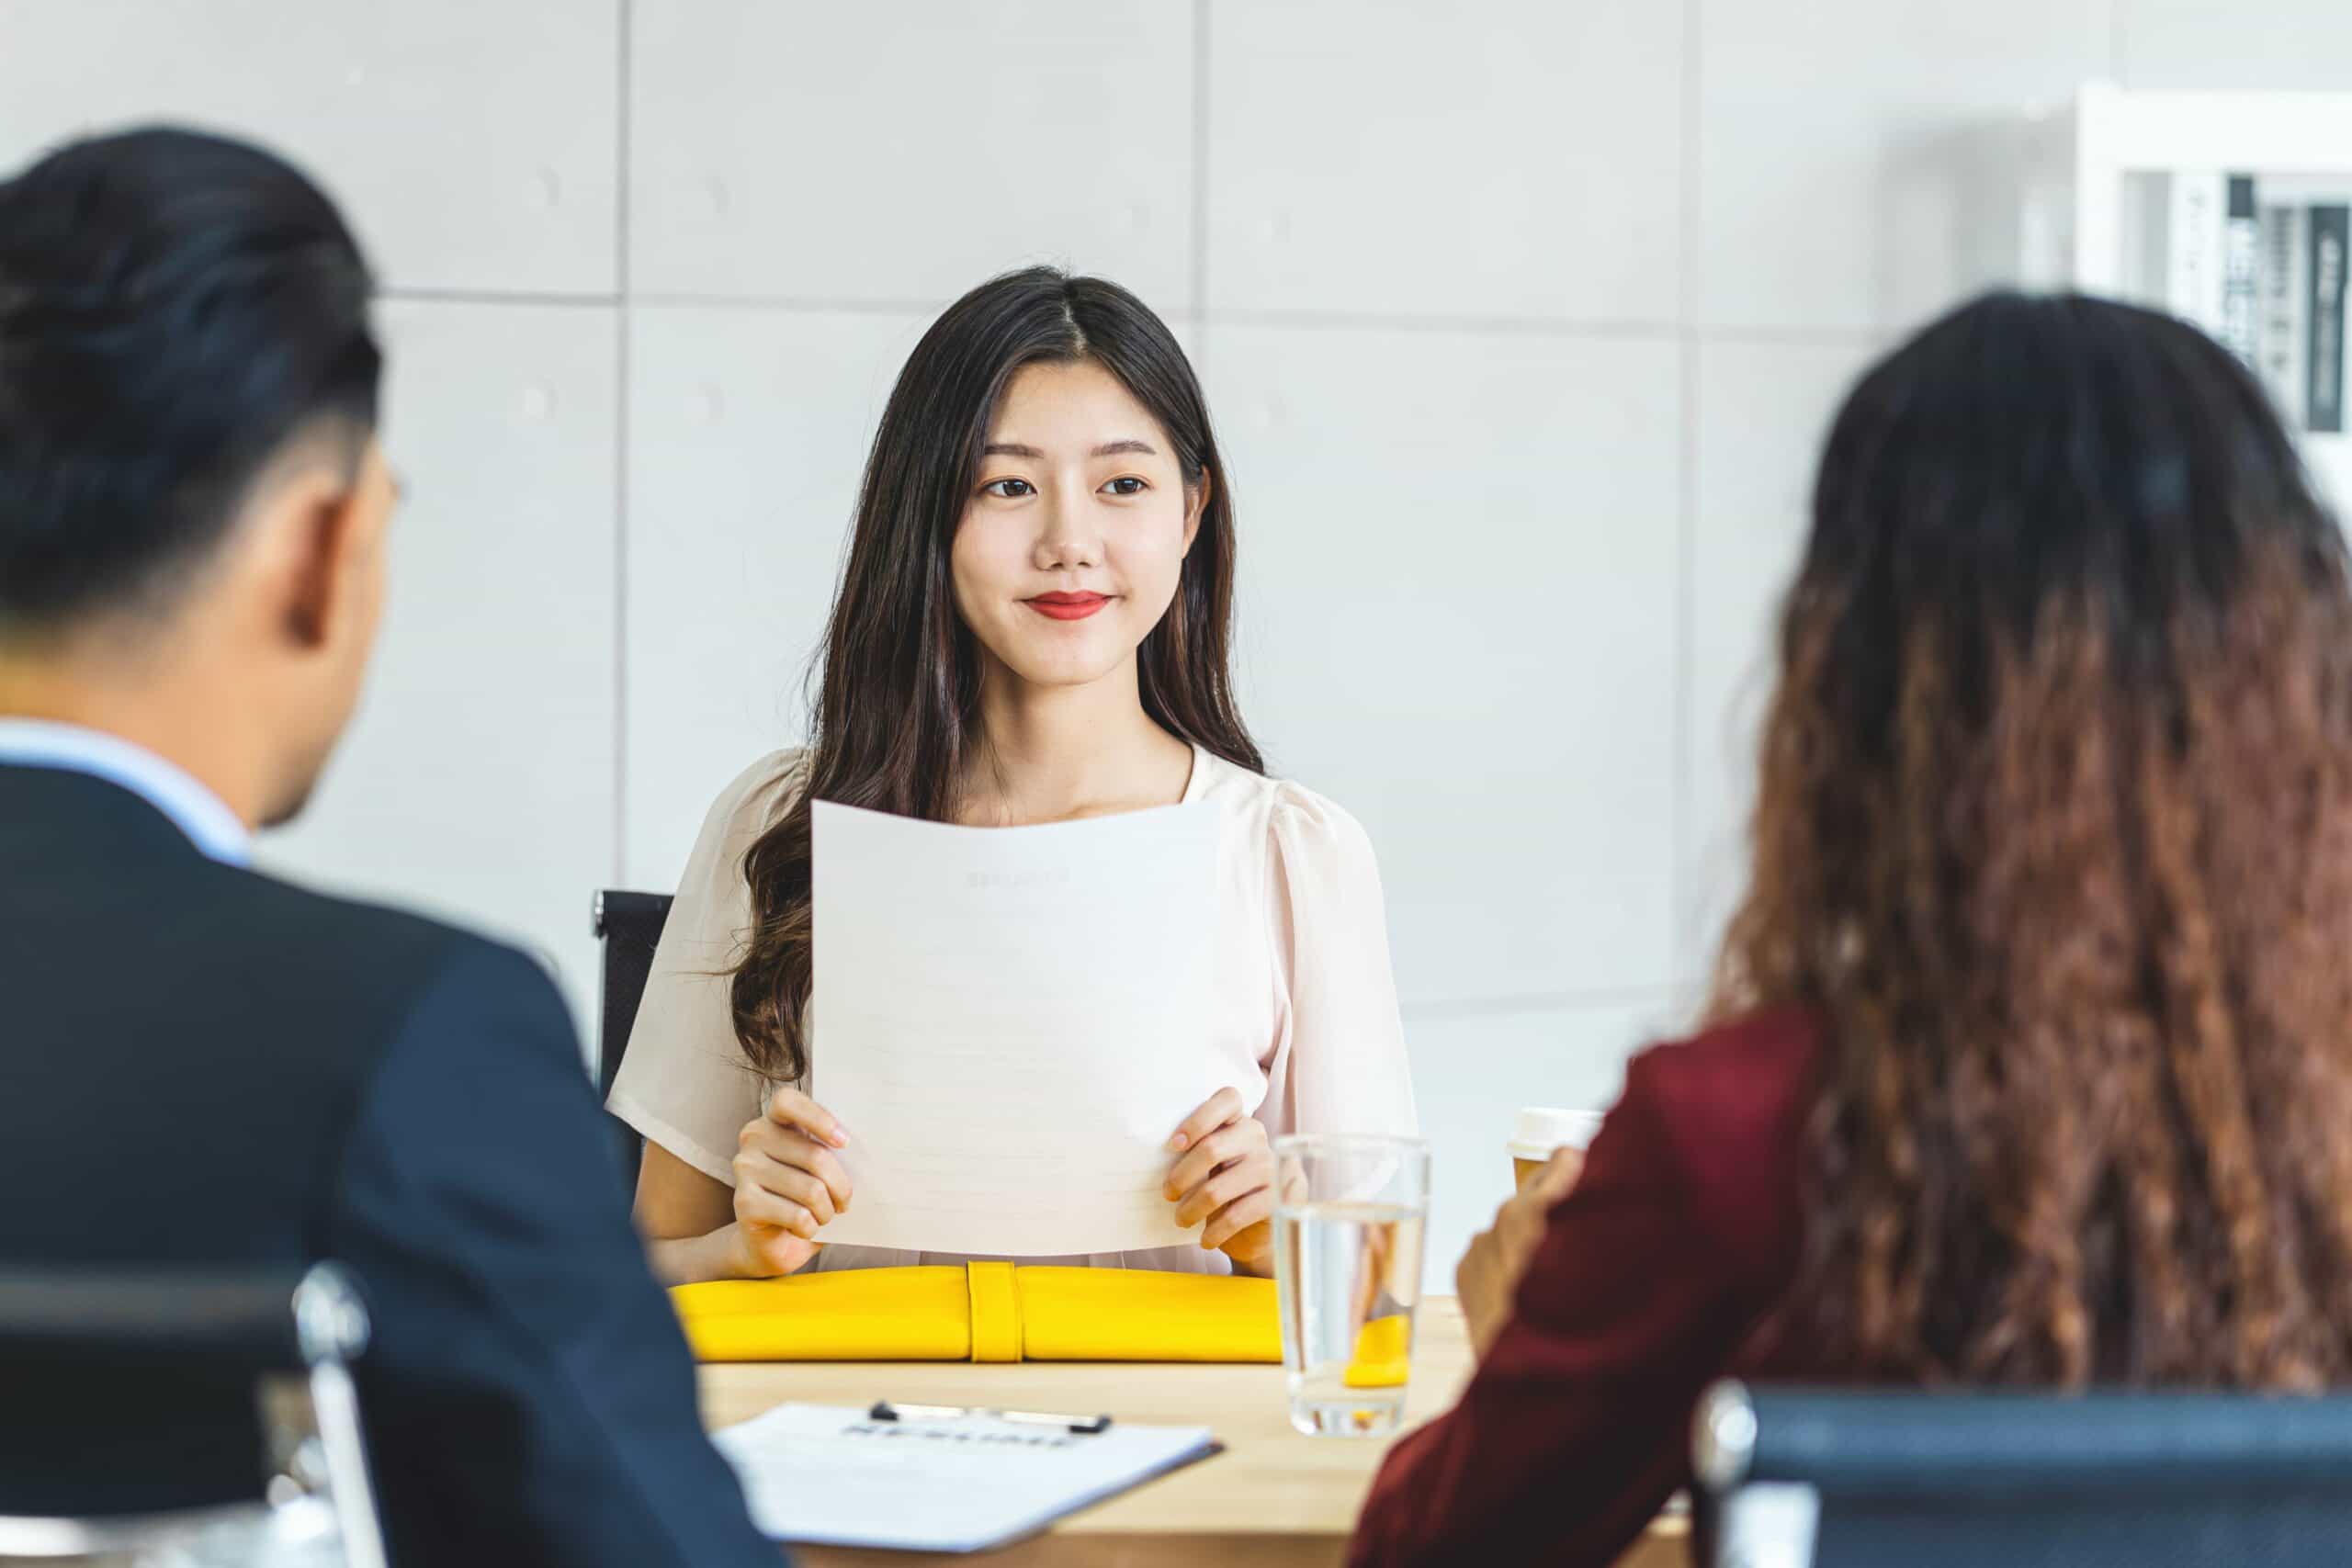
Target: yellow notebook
{"x":983,"y":1311}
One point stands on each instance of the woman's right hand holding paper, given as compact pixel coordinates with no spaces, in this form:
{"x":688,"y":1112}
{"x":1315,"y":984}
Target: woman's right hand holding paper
{"x":789,"y":1184}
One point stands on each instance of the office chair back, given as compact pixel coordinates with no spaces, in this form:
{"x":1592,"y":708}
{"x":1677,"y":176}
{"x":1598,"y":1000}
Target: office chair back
{"x":1811,"y":1479}
{"x":628,"y":927}
{"x":293,"y":1333}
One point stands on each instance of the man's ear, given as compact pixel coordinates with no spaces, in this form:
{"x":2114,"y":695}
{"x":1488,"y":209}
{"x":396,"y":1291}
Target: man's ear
{"x":319,"y":524}
{"x":1197,"y":507}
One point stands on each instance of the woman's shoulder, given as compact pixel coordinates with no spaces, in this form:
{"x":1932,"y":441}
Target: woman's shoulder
{"x":757,"y":797}
{"x":1732,"y":1085}
{"x":1293,"y":821}
{"x":1725,"y":1107}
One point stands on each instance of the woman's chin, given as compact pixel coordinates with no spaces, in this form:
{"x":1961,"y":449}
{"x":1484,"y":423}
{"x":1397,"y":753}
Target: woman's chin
{"x":1067,"y":666}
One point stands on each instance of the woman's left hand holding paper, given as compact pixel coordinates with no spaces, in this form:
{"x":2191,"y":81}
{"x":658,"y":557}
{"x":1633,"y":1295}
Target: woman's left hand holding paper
{"x":1224,"y":1182}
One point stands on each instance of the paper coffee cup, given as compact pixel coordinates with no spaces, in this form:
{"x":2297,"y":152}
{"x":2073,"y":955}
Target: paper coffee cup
{"x":1542,"y":1131}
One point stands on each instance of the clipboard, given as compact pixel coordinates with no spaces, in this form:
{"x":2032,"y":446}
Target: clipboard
{"x":959,"y":1482}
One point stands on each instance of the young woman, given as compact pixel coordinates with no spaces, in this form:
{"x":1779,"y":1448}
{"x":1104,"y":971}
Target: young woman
{"x":2033,"y":1044}
{"x":1031,"y":627}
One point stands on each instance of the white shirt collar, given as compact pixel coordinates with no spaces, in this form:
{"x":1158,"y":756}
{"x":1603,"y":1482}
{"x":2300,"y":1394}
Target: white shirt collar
{"x":208,"y":823}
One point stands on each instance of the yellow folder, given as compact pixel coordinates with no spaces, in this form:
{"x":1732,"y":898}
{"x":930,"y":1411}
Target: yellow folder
{"x":983,"y":1311}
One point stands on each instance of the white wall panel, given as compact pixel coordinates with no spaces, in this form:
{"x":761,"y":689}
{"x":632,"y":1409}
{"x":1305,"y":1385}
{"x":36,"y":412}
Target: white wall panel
{"x":1851,"y":169}
{"x":2281,"y":44}
{"x":1486,"y":159}
{"x":473,"y":145}
{"x":879,"y":152}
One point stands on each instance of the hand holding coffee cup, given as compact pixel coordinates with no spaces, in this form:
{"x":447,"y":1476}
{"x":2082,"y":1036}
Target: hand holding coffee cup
{"x":1542,"y":1131}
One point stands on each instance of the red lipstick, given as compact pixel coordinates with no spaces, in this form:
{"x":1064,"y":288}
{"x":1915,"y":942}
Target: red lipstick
{"x":1067,"y":606}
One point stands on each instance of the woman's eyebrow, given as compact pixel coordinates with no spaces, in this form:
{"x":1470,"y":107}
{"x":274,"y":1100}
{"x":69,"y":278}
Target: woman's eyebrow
{"x":1108,"y":449}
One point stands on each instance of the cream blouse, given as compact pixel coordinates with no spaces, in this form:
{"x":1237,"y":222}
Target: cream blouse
{"x":1306,"y":1011}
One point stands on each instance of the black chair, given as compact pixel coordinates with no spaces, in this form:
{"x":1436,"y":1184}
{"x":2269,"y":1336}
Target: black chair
{"x":291,"y":1333}
{"x":1809,"y":1478}
{"x":628,"y":927}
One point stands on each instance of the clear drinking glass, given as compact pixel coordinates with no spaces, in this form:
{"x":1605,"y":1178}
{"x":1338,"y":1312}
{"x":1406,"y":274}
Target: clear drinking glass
{"x":1349,"y":1216}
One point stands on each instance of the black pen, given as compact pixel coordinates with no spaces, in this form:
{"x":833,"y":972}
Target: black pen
{"x":1085,"y":1425}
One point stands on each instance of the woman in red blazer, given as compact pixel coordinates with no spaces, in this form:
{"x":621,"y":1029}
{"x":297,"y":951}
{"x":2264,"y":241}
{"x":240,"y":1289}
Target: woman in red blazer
{"x":2031,"y":1052}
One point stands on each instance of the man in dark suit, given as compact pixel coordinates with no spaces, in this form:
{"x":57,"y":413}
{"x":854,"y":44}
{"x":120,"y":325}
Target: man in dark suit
{"x":200,"y":1065}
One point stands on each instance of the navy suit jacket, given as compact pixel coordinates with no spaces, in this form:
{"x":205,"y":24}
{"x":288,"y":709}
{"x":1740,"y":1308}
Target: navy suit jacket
{"x":201,"y":1064}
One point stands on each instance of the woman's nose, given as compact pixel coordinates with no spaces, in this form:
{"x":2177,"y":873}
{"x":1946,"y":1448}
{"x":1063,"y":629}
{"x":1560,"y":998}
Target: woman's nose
{"x":1068,"y":538}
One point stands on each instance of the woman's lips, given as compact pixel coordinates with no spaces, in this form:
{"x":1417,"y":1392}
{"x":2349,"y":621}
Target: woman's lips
{"x":1067,"y":606}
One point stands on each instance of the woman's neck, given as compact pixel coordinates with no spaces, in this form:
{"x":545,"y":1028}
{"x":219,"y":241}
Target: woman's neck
{"x":1051,"y":754}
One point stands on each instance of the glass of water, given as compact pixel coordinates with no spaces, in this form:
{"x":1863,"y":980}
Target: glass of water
{"x":1349,"y":1214}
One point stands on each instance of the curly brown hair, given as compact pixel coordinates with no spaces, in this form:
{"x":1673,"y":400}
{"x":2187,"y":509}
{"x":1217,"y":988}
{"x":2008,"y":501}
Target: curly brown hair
{"x":2054,"y":841}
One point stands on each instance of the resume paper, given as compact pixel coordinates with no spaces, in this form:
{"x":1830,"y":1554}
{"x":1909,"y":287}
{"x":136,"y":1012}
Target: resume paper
{"x":1010,"y":1023}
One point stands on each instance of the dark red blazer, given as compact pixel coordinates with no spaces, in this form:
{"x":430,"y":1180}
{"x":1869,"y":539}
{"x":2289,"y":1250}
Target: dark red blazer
{"x":1678,"y":1242}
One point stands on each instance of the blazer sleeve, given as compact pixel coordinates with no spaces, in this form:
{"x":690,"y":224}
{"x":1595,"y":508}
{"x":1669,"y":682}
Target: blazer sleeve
{"x":527,"y":1395}
{"x":1574,"y":1430}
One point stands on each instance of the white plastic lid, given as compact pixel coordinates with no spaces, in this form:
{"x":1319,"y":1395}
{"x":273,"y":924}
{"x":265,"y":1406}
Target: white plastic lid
{"x":1541,"y":1129}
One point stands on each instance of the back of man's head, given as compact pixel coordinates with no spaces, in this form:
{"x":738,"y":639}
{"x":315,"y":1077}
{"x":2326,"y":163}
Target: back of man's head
{"x":188,"y":386}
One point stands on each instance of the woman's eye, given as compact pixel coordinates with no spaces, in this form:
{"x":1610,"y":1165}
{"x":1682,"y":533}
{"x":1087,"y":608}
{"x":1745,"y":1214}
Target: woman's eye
{"x":1009,"y":490}
{"x":1126,"y":485}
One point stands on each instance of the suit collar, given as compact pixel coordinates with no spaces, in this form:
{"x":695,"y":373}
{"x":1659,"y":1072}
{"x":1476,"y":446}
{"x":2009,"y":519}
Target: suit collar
{"x":188,"y":804}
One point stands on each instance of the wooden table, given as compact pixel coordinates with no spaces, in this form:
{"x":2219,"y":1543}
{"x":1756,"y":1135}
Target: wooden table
{"x":1272,"y":1497}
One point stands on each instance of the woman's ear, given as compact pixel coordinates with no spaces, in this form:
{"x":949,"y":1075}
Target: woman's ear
{"x":1196,"y":498}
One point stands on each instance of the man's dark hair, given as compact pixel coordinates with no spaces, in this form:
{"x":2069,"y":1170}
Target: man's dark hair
{"x":175,"y":309}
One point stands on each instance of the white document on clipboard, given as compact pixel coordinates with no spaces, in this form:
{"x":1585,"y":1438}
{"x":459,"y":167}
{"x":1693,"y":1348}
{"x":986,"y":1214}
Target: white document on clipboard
{"x":1010,"y":1023}
{"x":818,"y":1475}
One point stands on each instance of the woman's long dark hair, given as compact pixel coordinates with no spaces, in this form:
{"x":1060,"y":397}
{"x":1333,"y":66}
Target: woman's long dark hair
{"x":2054,"y":841}
{"x":894,"y":722}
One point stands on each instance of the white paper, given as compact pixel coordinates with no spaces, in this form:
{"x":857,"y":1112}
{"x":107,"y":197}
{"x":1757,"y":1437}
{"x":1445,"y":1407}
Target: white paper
{"x":1010,"y":1023}
{"x":832,"y":1477}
